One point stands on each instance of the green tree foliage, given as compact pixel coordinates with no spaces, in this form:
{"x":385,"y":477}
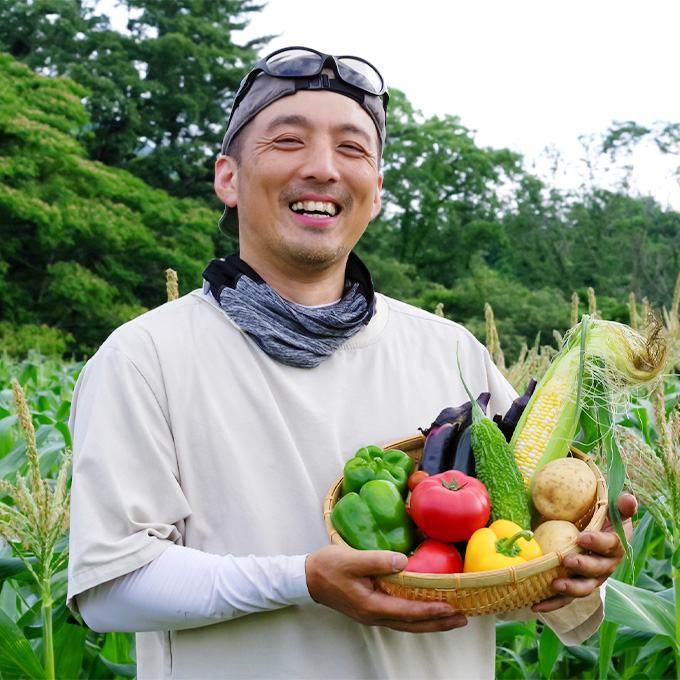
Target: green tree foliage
{"x":441,"y":194}
{"x":522,"y":315}
{"x":611,"y":241}
{"x":84,"y":247}
{"x":158,"y":95}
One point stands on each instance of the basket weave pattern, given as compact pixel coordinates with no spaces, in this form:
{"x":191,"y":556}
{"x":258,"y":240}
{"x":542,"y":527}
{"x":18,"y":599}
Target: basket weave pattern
{"x":488,"y":592}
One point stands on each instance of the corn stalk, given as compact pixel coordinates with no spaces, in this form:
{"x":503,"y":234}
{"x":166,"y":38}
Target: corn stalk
{"x":654,"y":477}
{"x":34,"y":522}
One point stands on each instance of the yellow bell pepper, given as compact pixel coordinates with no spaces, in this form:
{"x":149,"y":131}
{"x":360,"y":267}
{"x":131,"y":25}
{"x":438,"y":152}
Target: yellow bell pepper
{"x":501,"y":544}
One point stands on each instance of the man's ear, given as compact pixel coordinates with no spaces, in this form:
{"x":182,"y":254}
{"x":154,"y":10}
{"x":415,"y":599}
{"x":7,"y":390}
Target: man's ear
{"x":226,"y":180}
{"x":377,"y":203}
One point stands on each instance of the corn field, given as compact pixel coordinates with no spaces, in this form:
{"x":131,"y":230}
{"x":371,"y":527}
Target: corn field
{"x":41,"y":638}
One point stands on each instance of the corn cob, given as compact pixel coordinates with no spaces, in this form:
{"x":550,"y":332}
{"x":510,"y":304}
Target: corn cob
{"x":594,"y":353}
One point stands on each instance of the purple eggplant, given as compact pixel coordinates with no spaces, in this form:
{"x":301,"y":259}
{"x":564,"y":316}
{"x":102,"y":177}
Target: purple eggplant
{"x":463,"y":458}
{"x":442,"y":438}
{"x":508,"y":422}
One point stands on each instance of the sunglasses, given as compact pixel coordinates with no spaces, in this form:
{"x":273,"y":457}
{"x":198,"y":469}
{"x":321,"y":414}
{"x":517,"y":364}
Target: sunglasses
{"x":303,"y":62}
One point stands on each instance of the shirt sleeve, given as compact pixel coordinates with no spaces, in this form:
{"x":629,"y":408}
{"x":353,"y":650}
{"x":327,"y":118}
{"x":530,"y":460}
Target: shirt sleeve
{"x":185,"y":588}
{"x":574,"y":623}
{"x":127,"y":500}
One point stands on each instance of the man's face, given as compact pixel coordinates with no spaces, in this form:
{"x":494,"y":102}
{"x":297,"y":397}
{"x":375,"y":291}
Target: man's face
{"x":307,"y":184}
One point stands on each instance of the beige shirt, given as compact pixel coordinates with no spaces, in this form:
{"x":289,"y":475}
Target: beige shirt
{"x":185,"y":432}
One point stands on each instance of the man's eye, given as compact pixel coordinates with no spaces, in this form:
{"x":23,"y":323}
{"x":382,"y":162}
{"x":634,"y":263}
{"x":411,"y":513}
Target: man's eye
{"x":353,"y":147}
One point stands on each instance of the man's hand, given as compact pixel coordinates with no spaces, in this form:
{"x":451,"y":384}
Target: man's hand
{"x":590,"y":570}
{"x":340,"y":578}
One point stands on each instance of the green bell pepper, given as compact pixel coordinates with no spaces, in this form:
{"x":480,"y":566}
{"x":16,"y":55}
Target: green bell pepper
{"x":375,"y":518}
{"x":371,"y":462}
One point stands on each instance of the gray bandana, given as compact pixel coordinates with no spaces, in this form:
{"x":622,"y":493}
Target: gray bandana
{"x":288,"y":332}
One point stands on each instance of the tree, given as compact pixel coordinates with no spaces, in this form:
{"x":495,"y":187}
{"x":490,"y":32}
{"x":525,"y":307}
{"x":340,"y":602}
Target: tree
{"x":158,"y":96}
{"x":441,"y":193}
{"x":84,"y":247}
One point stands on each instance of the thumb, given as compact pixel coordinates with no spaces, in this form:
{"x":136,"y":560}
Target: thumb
{"x":369,"y":562}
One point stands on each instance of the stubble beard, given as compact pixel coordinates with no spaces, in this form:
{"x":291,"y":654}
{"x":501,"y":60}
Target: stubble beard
{"x":313,"y":258}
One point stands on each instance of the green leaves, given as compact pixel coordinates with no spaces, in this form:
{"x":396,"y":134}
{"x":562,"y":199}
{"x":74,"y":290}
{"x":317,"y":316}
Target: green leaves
{"x":16,"y":654}
{"x":641,"y":609}
{"x":87,"y":246}
{"x":549,"y":648}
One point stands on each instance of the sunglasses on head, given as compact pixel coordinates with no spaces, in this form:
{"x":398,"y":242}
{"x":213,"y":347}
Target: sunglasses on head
{"x":303,"y":62}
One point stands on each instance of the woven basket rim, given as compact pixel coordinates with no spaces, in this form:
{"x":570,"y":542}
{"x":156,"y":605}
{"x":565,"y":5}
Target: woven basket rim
{"x":485,"y":579}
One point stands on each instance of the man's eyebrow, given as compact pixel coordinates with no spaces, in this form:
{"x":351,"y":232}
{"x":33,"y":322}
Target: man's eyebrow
{"x":288,"y":119}
{"x":298,"y":120}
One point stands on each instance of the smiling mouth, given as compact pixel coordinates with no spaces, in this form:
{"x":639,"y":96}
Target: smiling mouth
{"x":318,"y":209}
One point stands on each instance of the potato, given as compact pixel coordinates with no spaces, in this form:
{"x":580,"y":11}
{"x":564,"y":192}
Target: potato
{"x":555,"y":534}
{"x":564,"y":489}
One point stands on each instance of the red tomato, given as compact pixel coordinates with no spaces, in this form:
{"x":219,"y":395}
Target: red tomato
{"x":417,"y":477}
{"x":450,"y":506}
{"x":435,"y":557}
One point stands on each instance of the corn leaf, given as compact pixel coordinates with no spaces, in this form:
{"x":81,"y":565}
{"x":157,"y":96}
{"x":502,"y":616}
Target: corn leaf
{"x":675,"y":560}
{"x":510,"y":631}
{"x":608,"y":631}
{"x":16,"y":654}
{"x":7,"y":438}
{"x":549,"y":648}
{"x":616,"y":471}
{"x":581,"y":367}
{"x":519,"y":662}
{"x":639,"y":544}
{"x":641,"y":609}
{"x":11,"y":566}
{"x":69,"y":645}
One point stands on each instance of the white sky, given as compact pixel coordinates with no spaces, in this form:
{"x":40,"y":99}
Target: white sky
{"x":524,"y":74}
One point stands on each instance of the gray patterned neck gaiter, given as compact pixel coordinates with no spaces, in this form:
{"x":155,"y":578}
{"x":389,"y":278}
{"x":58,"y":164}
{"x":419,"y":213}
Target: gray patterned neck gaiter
{"x":288,"y":332}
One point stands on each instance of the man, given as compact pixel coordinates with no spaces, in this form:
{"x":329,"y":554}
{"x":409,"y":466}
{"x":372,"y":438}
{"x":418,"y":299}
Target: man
{"x":208,"y":432}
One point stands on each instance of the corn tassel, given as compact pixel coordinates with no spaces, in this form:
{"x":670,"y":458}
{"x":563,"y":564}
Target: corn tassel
{"x":614,"y":353}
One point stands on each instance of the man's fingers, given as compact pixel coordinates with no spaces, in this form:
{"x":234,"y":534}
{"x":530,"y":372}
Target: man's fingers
{"x":426,"y":626}
{"x":575,"y":587}
{"x":551,"y":604}
{"x":340,"y":578}
{"x":627,"y":505}
{"x":371,"y":562}
{"x":600,"y":542}
{"x":380,"y":606}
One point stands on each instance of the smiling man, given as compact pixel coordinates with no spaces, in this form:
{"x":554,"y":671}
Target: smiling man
{"x":207,"y":432}
{"x":306,"y":186}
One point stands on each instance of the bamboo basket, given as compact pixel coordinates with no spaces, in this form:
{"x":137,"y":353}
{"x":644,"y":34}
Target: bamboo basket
{"x":488,"y":592}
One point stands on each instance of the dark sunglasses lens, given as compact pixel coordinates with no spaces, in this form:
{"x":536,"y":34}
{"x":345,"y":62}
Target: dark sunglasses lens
{"x":294,"y":63}
{"x":360,"y":74}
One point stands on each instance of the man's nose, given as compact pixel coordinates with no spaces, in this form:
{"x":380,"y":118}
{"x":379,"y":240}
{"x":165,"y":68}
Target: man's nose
{"x":320,"y":163}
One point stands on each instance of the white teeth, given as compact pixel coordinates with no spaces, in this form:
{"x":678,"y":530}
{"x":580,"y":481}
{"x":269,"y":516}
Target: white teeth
{"x":315,"y":207}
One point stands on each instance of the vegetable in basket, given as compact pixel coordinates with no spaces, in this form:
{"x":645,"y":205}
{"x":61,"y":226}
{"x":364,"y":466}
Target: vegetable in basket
{"x":598,"y":361}
{"x":371,"y":462}
{"x":375,"y":518}
{"x":497,"y":468}
{"x":450,"y":506}
{"x":508,"y":422}
{"x":594,"y":370}
{"x":500,"y":545}
{"x":565,"y":488}
{"x":435,"y":557}
{"x":443,"y":449}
